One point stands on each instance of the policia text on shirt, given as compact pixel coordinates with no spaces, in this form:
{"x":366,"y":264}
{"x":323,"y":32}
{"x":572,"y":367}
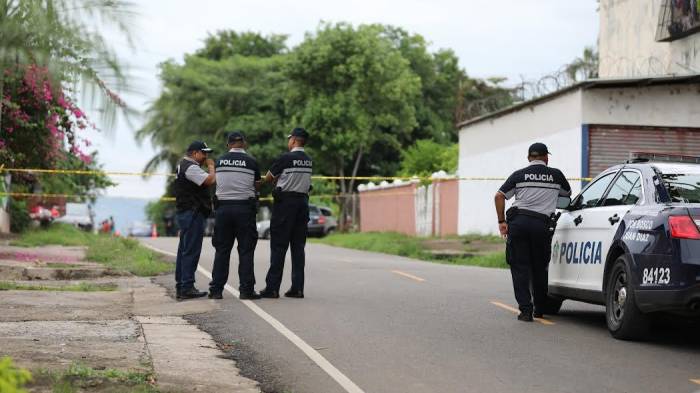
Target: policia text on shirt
{"x":527,"y":227}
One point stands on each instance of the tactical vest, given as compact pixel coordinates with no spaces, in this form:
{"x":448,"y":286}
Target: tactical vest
{"x":188,"y":195}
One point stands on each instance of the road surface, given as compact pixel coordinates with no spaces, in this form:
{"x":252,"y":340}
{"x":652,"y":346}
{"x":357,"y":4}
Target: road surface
{"x":396,"y":325}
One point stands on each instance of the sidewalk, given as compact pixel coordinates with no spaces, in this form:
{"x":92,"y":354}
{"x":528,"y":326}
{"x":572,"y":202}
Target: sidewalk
{"x":122,"y":334}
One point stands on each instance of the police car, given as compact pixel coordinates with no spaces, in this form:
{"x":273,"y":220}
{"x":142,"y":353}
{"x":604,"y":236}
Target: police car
{"x":630,"y":241}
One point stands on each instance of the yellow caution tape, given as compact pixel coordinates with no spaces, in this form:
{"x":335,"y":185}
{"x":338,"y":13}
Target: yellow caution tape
{"x":365,"y":178}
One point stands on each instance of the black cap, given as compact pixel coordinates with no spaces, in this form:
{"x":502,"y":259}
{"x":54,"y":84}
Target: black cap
{"x":235,"y":136}
{"x":199,"y":146}
{"x":299,"y":132}
{"x":538,"y":149}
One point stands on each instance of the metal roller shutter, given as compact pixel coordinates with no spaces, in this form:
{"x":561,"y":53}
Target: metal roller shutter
{"x":611,"y":145}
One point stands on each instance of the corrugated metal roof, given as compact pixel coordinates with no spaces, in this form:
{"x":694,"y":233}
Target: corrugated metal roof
{"x":585,"y":85}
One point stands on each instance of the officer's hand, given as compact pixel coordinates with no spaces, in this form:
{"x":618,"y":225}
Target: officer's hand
{"x":210,"y":163}
{"x":503,"y":228}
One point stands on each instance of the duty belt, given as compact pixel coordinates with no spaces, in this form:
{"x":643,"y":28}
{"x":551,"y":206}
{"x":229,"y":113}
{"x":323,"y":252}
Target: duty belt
{"x":288,"y":194}
{"x":238,"y":202}
{"x":514,"y":211}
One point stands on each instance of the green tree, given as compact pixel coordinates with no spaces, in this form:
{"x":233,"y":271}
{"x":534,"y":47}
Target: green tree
{"x":229,"y":43}
{"x":584,"y":67}
{"x":352,"y":89}
{"x":426,"y":157}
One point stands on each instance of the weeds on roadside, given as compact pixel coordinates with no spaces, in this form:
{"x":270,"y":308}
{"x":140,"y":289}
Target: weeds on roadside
{"x":80,"y":287}
{"x":114,"y":252}
{"x":79,"y":376}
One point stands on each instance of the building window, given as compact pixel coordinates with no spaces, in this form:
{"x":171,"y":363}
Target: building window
{"x":678,"y":19}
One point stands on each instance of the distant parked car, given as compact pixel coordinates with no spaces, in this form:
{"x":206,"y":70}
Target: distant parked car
{"x":321,"y":223}
{"x":79,"y":215}
{"x":139,"y":229}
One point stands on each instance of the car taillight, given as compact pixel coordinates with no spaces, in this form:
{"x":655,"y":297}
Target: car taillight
{"x":683,"y":227}
{"x":322,"y":220}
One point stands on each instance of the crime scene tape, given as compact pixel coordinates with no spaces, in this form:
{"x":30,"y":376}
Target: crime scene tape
{"x":366,"y":178}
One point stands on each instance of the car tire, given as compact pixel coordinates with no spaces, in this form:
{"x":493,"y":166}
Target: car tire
{"x":330,"y":231}
{"x":624,"y":319}
{"x":266,"y":234}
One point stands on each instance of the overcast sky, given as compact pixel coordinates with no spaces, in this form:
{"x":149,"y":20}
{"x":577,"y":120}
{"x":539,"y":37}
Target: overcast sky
{"x":511,"y":38}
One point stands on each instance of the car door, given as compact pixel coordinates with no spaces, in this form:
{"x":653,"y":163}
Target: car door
{"x":572,"y":232}
{"x":601,"y":224}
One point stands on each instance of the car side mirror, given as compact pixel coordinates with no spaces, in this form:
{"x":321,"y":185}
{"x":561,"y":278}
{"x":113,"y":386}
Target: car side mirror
{"x":563,"y":202}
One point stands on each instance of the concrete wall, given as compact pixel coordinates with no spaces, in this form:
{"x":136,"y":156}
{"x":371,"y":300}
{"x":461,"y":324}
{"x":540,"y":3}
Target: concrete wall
{"x":663,"y":106}
{"x":389,"y":209}
{"x":445,"y":207}
{"x":498,"y":146}
{"x":627,"y":44}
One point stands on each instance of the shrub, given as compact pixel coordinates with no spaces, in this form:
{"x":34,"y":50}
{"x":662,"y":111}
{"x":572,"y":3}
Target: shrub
{"x":12,"y":378}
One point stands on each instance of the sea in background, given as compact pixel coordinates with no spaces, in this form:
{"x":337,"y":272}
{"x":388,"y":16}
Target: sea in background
{"x":125,"y":211}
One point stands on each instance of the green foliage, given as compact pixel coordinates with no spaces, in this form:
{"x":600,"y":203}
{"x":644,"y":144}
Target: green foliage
{"x":115,"y":252}
{"x":205,"y":99}
{"x":12,"y":378}
{"x":19,"y":216}
{"x":80,"y":377}
{"x":427,"y":157}
{"x":85,"y":185}
{"x":228,"y":43}
{"x":412,"y":247}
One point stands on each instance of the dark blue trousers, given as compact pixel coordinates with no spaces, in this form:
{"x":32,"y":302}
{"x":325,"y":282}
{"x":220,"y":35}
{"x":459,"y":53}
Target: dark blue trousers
{"x":288,"y":229}
{"x":528,"y":251}
{"x":191,"y":225}
{"x":234,"y":222}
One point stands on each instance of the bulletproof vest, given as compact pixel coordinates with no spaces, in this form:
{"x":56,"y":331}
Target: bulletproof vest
{"x":296,"y":169}
{"x":188,"y":195}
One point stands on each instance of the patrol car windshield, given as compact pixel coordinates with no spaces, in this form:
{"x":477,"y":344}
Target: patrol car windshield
{"x":683,"y":187}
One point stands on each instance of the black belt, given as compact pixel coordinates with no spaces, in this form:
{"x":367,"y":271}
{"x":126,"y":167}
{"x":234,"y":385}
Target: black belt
{"x":237,"y":202}
{"x":287,"y":194}
{"x":531,"y":213}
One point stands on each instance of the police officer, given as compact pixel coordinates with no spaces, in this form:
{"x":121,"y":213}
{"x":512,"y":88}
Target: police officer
{"x":290,"y":214}
{"x":237,"y":178}
{"x":193,"y":204}
{"x":527,"y":227}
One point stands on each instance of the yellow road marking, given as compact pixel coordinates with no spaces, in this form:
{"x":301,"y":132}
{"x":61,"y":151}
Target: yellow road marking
{"x":696,"y":381}
{"x":407,"y":275}
{"x":516,"y":311}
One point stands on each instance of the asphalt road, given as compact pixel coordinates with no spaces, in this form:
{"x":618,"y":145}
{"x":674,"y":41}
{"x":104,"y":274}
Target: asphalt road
{"x":393,"y":324}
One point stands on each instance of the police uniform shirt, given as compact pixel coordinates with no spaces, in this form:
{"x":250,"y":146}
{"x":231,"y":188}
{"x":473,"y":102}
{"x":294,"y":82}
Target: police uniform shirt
{"x":194,"y":173}
{"x":293,"y":171}
{"x":236,"y":173}
{"x":536,"y":187}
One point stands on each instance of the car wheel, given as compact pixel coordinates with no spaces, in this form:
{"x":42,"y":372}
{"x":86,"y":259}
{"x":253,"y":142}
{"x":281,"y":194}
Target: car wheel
{"x":625,"y":320}
{"x":266,"y":234}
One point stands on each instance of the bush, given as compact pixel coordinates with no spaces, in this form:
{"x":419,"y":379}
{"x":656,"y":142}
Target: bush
{"x":19,"y":216}
{"x":12,"y":378}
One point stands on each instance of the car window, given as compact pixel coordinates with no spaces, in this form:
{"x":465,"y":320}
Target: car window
{"x":313,"y":210}
{"x":625,"y":191}
{"x":591,"y":195}
{"x":326,"y":212}
{"x":683,"y":188}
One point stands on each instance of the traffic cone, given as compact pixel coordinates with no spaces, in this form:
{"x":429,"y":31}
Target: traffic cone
{"x":154,"y":231}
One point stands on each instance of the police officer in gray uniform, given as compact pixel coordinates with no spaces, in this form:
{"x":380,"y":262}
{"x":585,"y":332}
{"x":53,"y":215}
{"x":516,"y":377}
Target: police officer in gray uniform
{"x":527,"y":227}
{"x":237,"y":179}
{"x":290,"y":215}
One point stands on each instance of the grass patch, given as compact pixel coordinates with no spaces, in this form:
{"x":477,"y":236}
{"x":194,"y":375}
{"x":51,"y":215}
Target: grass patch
{"x":413,"y":247}
{"x":63,"y":265}
{"x":114,"y":252}
{"x":81,"y":287}
{"x":79,"y":377}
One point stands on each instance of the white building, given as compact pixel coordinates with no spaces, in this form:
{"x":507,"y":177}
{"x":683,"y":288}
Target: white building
{"x":587,"y":127}
{"x":649,"y":38}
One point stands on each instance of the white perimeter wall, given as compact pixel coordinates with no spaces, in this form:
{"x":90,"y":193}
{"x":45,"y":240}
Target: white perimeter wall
{"x":497,"y":147}
{"x":664,"y":106}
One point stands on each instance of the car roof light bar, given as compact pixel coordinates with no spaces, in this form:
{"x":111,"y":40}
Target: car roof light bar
{"x":639,"y":156}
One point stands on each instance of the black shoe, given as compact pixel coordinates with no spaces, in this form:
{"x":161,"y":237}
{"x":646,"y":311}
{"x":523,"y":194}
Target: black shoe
{"x":269,"y":294}
{"x":191,"y":293}
{"x":249,"y":295}
{"x":525,"y":317}
{"x":294,"y":293}
{"x":215,"y":295}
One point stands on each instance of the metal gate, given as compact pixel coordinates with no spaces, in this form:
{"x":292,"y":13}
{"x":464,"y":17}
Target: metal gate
{"x":611,"y":145}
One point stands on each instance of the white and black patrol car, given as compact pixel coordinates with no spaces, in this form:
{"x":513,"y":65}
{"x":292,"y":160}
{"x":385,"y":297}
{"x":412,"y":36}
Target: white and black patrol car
{"x":630,"y":241}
